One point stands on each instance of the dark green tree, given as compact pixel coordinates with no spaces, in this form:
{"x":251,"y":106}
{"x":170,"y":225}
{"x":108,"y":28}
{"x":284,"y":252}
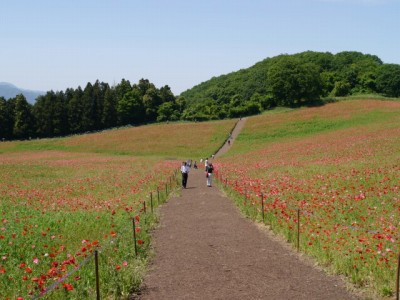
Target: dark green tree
{"x":292,"y":82}
{"x":89,"y":108}
{"x":60,"y":108}
{"x":98,"y":103}
{"x":130,"y":108}
{"x":168,"y":111}
{"x":122,"y":88}
{"x":75,"y":111}
{"x":388,"y":80}
{"x":151,"y":102}
{"x":6,"y":119}
{"x":166,"y":94}
{"x":143,"y":85}
{"x":50,"y":113}
{"x":341,"y":89}
{"x":43,"y":111}
{"x":109,"y":114}
{"x":24,"y":121}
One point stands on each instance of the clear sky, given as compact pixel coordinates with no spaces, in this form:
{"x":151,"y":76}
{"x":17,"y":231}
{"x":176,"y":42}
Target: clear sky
{"x":57,"y":44}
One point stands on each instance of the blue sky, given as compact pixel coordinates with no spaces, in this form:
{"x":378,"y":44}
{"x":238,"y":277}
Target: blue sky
{"x":53,"y":45}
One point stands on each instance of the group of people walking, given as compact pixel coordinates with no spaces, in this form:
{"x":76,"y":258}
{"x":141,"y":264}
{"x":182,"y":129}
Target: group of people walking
{"x":209,"y":168}
{"x":185,"y":169}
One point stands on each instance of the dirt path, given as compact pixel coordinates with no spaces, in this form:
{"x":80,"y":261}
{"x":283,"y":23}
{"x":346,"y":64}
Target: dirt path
{"x":234,"y":134}
{"x":206,"y":250}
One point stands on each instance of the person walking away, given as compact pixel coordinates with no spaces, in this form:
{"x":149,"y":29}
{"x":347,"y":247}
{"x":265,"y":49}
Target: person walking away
{"x":185,"y":174}
{"x":195,"y":165}
{"x":209,"y":170}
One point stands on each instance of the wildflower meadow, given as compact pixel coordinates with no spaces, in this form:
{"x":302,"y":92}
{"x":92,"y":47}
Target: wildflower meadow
{"x":334,"y":170}
{"x":67,"y":203}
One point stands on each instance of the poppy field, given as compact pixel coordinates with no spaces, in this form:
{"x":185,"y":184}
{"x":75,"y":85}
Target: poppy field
{"x":338,"y":166}
{"x":58,"y":207}
{"x":62,"y":199}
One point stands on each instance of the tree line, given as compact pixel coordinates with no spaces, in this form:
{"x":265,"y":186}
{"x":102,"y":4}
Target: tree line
{"x":98,"y":106}
{"x":284,"y":80}
{"x":291,"y":80}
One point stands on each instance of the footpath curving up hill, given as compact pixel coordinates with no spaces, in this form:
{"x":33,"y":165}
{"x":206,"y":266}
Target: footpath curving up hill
{"x":206,"y":250}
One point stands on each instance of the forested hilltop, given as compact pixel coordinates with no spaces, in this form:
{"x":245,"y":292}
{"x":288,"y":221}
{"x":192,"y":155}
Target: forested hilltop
{"x":291,"y":80}
{"x":284,"y":80}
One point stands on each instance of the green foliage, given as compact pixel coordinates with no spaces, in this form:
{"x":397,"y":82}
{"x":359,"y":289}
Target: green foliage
{"x":23,"y":122}
{"x":168,"y":111}
{"x":75,"y":110}
{"x":388,"y":80}
{"x":109,"y":114}
{"x":292,"y":81}
{"x":298,"y":79}
{"x":130,"y":108}
{"x":98,"y":106}
{"x":6,"y":118}
{"x":285,"y":80}
{"x":51,"y":115}
{"x":341,"y":88}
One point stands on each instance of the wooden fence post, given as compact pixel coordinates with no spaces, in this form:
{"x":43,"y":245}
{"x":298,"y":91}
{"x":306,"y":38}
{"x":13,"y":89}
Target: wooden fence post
{"x":96,"y":263}
{"x":151,"y":202}
{"x":397,"y":279}
{"x":134,"y":235}
{"x":298,"y":229}
{"x":262,"y":207}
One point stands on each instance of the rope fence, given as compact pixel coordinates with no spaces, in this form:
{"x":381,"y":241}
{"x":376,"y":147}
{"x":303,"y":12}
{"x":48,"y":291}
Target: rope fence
{"x":259,"y":209}
{"x":170,"y":184}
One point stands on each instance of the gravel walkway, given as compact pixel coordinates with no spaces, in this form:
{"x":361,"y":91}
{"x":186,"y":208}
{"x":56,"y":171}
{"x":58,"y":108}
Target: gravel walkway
{"x":206,"y":250}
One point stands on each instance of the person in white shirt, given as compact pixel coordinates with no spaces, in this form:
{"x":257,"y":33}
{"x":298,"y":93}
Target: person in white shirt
{"x":185,"y":173}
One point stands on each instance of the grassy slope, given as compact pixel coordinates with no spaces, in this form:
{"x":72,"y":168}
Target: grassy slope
{"x":85,"y":188}
{"x":264,"y":137}
{"x":284,"y":124}
{"x":174,"y":140}
{"x":339,"y":161}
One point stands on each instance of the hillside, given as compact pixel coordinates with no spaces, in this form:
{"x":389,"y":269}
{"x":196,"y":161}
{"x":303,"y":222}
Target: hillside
{"x":81,"y":193}
{"x":291,"y":80}
{"x":332,"y":169}
{"x":178,"y":140}
{"x":338,"y":164}
{"x":303,"y":79}
{"x":8,"y":90}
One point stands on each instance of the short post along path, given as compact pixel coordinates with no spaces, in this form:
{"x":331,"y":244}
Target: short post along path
{"x":205,"y":249}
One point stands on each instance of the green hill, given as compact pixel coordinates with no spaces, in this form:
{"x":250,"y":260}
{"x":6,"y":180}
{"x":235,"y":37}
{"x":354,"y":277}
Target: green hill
{"x":291,"y":80}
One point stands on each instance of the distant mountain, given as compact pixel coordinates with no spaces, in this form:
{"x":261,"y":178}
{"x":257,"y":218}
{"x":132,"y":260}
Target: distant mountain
{"x":8,"y":90}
